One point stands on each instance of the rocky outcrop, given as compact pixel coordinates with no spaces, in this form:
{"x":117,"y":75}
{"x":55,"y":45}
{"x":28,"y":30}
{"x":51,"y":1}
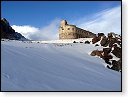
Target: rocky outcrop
{"x":104,"y":41}
{"x":111,"y":47}
{"x":100,"y":34}
{"x":117,"y":51}
{"x":95,"y":39}
{"x":116,"y":65}
{"x":7,"y":32}
{"x":106,"y":50}
{"x":96,"y":53}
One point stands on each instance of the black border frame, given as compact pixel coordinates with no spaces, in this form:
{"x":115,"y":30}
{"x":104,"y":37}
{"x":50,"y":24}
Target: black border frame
{"x":72,"y":91}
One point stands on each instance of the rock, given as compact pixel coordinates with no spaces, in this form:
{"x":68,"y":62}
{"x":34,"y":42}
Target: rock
{"x":95,"y":39}
{"x":104,"y":42}
{"x":87,"y":42}
{"x":108,"y":67}
{"x":7,"y":32}
{"x":110,"y":35}
{"x":100,"y":34}
{"x":106,"y":50}
{"x":107,"y":61}
{"x":119,"y":43}
{"x":117,"y":51}
{"x":112,"y":41}
{"x":116,"y":65}
{"x":96,"y":52}
{"x":99,"y":53}
{"x":96,"y":44}
{"x":113,"y":44}
{"x":5,"y":21}
{"x":93,"y":53}
{"x":74,"y":42}
{"x":107,"y":57}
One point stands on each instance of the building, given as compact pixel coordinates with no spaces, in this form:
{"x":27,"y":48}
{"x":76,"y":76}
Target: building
{"x":67,"y":31}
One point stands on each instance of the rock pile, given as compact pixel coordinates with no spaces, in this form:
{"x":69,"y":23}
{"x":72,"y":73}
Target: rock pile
{"x":111,"y":52}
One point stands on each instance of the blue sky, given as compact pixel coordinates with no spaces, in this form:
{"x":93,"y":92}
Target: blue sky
{"x":41,"y":14}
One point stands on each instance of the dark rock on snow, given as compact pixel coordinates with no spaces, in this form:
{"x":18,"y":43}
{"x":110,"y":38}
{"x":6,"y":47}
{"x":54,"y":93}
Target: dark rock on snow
{"x":7,"y":32}
{"x":113,"y":44}
{"x":100,"y":34}
{"x":87,"y":42}
{"x":117,"y":51}
{"x":104,"y":41}
{"x":97,"y":45}
{"x":96,"y":53}
{"x":95,"y":39}
{"x":116,"y":65}
{"x":106,"y":50}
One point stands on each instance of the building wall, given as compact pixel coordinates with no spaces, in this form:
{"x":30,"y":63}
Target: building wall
{"x":67,"y":31}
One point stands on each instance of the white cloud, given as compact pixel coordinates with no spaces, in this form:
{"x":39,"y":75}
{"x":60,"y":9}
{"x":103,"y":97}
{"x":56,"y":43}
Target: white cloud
{"x":25,"y":30}
{"x":47,"y":32}
{"x":105,"y":21}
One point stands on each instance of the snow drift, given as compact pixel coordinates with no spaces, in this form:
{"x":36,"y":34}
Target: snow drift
{"x":38,"y":66}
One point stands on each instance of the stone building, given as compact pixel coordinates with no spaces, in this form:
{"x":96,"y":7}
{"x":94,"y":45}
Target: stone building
{"x":67,"y":31}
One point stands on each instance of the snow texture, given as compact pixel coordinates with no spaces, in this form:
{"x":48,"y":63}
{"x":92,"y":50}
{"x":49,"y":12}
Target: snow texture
{"x":47,"y":66}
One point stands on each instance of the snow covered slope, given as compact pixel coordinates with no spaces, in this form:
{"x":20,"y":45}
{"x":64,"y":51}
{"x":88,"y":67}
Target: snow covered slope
{"x":36,"y":66}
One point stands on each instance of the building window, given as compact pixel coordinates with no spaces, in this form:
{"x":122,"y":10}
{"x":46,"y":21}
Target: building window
{"x":73,"y":29}
{"x":62,"y":28}
{"x":68,"y":28}
{"x":69,"y":33}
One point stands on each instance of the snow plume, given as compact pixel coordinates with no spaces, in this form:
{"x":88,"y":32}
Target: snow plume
{"x":45,"y":33}
{"x":106,"y":21}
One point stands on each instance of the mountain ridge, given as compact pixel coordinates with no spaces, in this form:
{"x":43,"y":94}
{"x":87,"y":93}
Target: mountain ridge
{"x":7,"y":32}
